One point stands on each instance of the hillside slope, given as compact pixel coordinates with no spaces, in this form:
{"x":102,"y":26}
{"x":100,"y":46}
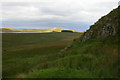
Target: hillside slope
{"x":98,"y":48}
{"x":104,"y":27}
{"x":94,"y":55}
{"x":55,"y":29}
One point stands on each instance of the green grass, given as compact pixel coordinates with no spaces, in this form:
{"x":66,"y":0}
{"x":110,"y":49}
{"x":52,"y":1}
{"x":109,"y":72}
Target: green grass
{"x":24,"y":53}
{"x":63,"y":73}
{"x":95,"y":58}
{"x":98,"y":56}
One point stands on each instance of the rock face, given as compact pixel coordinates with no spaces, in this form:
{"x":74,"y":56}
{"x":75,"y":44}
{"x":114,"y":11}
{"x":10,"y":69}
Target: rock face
{"x":104,"y":27}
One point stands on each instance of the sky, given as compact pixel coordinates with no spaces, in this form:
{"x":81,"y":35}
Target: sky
{"x":41,"y":14}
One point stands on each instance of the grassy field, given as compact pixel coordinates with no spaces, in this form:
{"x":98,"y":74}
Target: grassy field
{"x":46,"y":56}
{"x":24,"y":53}
{"x":96,"y":58}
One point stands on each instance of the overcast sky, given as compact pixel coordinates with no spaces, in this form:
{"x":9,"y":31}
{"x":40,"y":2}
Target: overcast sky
{"x":40,"y":14}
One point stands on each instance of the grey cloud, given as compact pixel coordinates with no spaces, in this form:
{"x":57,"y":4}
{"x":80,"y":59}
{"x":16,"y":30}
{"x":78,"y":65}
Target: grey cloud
{"x":56,"y":12}
{"x":59,"y":13}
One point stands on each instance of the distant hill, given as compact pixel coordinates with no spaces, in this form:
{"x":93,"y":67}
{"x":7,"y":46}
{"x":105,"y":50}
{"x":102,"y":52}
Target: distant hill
{"x":55,"y":29}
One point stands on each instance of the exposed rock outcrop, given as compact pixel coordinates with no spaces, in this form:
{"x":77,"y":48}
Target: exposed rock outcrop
{"x":104,"y":27}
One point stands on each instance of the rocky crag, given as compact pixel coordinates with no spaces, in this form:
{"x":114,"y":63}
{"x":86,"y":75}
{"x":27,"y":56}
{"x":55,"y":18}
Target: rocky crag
{"x":106,"y":26}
